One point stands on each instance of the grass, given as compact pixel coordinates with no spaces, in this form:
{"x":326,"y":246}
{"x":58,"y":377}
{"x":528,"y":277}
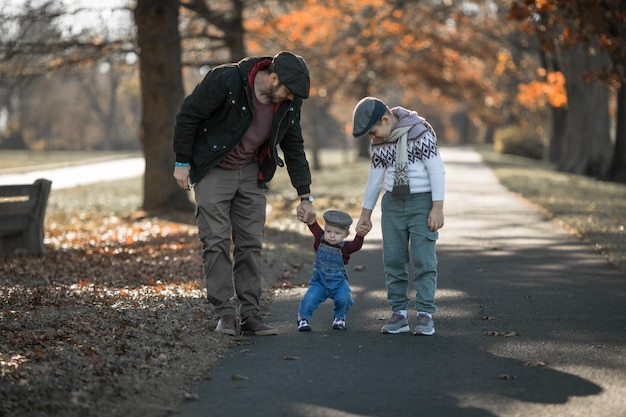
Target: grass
{"x":594,"y":210}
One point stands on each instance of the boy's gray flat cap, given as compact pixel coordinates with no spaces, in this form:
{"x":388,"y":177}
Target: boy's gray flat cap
{"x":367,"y":112}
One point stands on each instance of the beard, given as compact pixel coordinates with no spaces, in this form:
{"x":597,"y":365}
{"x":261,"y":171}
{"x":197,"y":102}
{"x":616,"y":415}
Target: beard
{"x":271,"y":93}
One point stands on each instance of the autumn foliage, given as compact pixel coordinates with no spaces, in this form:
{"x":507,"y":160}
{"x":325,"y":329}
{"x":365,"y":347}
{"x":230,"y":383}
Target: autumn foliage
{"x":538,"y":94}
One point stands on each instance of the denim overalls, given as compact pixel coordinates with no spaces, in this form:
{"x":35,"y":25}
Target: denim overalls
{"x":329,"y":280}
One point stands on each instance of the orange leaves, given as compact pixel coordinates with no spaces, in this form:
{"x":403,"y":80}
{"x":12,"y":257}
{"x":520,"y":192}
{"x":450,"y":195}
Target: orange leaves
{"x":537,"y":94}
{"x":567,"y":37}
{"x":545,"y":6}
{"x":392,"y":28}
{"x":556,"y":91}
{"x":505,"y":62}
{"x":410,"y":42}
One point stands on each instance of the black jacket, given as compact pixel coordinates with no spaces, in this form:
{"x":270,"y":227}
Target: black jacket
{"x":215,"y":116}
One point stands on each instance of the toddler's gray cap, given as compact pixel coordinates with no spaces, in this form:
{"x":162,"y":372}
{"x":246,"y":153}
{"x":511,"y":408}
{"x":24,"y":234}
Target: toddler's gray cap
{"x":367,"y":112}
{"x":338,"y":218}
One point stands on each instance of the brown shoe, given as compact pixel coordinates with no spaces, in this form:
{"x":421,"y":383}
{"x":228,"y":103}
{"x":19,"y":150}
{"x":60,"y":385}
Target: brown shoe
{"x":254,"y":325}
{"x":226,"y":325}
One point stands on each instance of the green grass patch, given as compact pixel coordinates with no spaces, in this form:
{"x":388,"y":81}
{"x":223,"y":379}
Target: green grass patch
{"x":594,"y":210}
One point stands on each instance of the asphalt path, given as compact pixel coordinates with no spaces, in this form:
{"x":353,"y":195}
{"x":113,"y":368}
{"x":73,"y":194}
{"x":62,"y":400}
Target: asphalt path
{"x":76,"y":175}
{"x":531,"y":322}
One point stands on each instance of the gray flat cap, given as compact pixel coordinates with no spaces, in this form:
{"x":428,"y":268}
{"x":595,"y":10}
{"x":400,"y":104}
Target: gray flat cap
{"x":293,"y":73}
{"x":338,"y":218}
{"x":366,"y":114}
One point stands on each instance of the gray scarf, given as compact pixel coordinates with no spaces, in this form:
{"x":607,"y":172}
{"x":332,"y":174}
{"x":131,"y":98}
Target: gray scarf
{"x":401,"y":188}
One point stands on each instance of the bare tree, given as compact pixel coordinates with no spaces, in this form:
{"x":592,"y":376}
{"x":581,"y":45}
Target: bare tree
{"x":214,"y":29}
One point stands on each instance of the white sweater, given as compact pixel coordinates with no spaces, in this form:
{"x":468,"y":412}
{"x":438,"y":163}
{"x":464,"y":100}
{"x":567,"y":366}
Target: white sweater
{"x":426,"y":169}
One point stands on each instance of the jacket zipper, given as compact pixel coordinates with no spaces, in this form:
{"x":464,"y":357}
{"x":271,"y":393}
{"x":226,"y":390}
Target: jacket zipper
{"x":274,"y":141}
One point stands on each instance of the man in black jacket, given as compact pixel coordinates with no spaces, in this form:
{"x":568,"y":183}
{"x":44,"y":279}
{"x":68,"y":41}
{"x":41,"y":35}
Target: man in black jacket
{"x":225,"y":139}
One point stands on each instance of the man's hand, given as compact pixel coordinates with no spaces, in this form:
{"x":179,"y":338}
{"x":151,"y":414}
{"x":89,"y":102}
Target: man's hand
{"x":306,"y":212}
{"x":181,"y":174}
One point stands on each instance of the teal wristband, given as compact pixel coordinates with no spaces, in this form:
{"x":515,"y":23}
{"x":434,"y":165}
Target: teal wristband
{"x":182,"y":164}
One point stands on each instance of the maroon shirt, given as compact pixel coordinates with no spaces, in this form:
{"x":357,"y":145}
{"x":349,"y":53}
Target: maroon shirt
{"x":257,"y":134}
{"x":348,"y":247}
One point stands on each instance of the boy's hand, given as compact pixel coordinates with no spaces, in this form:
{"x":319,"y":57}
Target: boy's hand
{"x":364,"y":225}
{"x":435,"y":217}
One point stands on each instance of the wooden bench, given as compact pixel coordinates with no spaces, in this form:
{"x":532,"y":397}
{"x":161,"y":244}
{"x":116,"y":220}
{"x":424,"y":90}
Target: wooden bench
{"x":22,"y":213}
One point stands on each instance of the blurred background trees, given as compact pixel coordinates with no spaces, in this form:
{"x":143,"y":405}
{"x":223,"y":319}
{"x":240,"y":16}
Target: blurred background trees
{"x":536,"y":78}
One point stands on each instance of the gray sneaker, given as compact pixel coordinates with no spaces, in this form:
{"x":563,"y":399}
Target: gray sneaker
{"x":425,"y":326}
{"x":396,"y":324}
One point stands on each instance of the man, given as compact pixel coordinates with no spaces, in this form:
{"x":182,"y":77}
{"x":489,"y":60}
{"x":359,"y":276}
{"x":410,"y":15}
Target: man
{"x":225,"y":139}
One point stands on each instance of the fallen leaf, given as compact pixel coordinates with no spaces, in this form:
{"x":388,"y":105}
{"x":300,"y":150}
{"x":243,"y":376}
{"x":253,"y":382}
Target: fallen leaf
{"x":507,"y":376}
{"x":535,"y":364}
{"x":496,"y":333}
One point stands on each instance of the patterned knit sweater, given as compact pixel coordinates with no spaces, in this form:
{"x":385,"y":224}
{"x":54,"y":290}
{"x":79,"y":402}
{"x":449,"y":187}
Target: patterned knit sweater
{"x":426,"y":170}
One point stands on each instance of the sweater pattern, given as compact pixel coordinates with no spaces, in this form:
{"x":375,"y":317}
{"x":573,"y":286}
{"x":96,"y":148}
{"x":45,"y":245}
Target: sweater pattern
{"x":419,"y":149}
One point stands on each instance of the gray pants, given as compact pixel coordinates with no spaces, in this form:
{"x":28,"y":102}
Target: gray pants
{"x":231,"y":211}
{"x":407,"y":240}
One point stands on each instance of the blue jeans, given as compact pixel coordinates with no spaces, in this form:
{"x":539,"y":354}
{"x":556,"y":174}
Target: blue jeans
{"x":407,"y":239}
{"x":329,"y":280}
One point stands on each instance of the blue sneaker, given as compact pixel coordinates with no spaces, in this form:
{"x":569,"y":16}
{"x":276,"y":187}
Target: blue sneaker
{"x":425,"y":325}
{"x":396,"y":324}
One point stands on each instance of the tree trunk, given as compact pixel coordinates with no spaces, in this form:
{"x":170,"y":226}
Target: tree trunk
{"x":110,"y":129}
{"x":587,"y":142}
{"x":234,"y":34}
{"x":162,"y":93}
{"x":617,"y":172}
{"x":555,"y":147}
{"x":461,"y":123}
{"x":490,"y":133}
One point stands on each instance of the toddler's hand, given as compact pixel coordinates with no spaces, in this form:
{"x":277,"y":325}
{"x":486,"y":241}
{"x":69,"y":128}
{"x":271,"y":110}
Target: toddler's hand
{"x":306,"y":213}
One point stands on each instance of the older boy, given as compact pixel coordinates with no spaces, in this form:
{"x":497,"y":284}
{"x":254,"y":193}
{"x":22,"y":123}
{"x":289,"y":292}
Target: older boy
{"x":405,"y":159}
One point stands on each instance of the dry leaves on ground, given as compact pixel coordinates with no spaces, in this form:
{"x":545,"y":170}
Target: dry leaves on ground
{"x":113,"y":320}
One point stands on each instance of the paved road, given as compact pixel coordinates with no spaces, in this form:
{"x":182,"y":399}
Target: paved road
{"x":504,"y":269}
{"x":73,"y":176}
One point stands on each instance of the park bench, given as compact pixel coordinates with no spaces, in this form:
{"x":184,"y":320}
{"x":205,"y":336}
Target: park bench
{"x":22,"y":213}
